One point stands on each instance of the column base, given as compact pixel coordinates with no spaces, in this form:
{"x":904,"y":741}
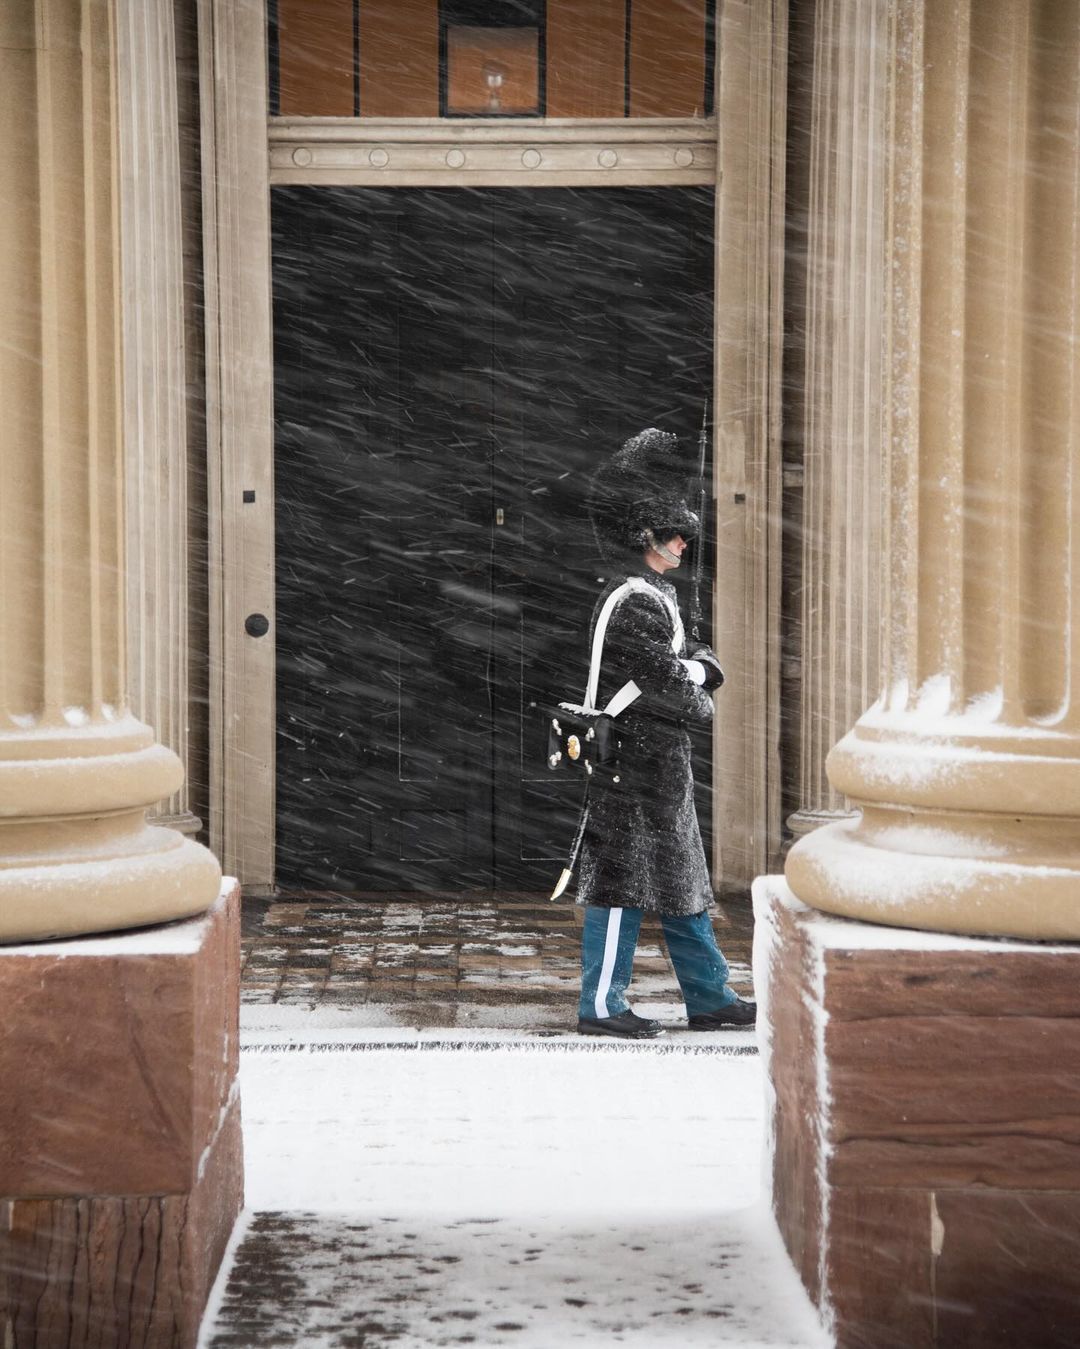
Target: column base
{"x":66,"y":877}
{"x":185,"y":822}
{"x":945,"y":872}
{"x":926,"y":1141}
{"x":121,"y":1168}
{"x":806,"y":820}
{"x":77,"y":854}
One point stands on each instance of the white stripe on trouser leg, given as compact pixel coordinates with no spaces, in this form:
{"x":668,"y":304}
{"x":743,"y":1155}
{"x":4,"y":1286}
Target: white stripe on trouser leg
{"x":611,"y":947}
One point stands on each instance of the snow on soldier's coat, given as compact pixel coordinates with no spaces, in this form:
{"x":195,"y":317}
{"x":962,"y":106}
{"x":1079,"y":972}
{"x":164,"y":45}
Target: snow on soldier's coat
{"x":642,"y":847}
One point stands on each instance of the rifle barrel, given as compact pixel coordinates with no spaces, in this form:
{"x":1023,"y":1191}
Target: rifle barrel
{"x":696,"y":614}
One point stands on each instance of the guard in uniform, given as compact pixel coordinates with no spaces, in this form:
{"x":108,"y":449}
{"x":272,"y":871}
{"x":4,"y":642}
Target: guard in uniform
{"x":641,"y":849}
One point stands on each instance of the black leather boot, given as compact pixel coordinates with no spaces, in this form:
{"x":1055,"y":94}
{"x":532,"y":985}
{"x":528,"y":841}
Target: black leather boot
{"x":737,"y":1013}
{"x":625,"y":1026}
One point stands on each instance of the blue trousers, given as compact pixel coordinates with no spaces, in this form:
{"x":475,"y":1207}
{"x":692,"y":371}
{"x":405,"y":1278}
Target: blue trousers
{"x":608,"y":942}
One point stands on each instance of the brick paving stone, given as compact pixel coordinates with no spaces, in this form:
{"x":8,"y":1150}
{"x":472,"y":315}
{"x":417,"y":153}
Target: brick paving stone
{"x":478,"y":948}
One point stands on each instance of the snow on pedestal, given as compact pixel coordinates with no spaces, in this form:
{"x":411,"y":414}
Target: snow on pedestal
{"x":121,"y":1168}
{"x":925,"y":1126}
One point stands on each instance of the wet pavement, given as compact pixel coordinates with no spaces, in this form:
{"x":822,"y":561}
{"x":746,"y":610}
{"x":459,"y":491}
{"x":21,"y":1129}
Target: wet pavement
{"x":474,"y":960}
{"x":355,"y":1283}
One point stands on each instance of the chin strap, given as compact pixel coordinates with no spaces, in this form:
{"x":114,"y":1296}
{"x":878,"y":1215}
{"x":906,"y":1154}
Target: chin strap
{"x":661,"y":548}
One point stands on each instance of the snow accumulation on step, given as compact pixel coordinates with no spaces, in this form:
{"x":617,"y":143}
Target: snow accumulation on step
{"x":499,"y":1191}
{"x":459,"y":1131}
{"x":735,"y":1042}
{"x":535,"y":1045}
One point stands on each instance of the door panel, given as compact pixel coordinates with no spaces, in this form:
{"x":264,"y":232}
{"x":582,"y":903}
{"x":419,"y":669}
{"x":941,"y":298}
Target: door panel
{"x":385,"y":745}
{"x":608,"y":329}
{"x":450,"y":366}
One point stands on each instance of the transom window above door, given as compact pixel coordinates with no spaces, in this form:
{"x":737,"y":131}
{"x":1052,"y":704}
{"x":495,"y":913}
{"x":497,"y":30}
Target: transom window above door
{"x":481,"y":59}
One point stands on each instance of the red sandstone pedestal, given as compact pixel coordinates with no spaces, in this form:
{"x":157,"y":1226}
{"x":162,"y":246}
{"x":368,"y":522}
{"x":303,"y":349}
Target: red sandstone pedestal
{"x":926,"y":1128}
{"x":121,"y":1169}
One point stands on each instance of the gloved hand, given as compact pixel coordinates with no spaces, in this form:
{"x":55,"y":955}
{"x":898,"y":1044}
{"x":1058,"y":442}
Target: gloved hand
{"x":714,"y":675}
{"x":695,"y":669}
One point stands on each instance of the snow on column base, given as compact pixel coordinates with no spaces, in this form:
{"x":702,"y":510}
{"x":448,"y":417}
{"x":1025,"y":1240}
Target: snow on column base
{"x":115,"y":873}
{"x":945,"y":871}
{"x":925,"y":1159}
{"x":76,"y":852}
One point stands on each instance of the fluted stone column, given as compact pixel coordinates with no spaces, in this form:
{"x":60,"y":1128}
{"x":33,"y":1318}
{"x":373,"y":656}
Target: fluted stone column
{"x":77,"y":769}
{"x":841,"y":431}
{"x":967,"y":770}
{"x":155,"y":422}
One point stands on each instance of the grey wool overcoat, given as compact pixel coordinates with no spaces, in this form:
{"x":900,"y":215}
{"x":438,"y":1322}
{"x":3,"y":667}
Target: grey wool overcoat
{"x":642,"y":846}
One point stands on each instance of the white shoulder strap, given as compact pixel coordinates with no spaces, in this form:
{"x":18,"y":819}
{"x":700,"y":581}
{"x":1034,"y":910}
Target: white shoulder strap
{"x":629,"y":691}
{"x":620,"y":701}
{"x":599,"y":633}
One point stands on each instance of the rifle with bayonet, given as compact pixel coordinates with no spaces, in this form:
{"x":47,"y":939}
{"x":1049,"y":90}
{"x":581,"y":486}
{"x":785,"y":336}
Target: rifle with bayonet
{"x":697,"y":616}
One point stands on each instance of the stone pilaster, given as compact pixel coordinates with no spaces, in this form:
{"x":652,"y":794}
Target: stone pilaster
{"x":841,"y":417}
{"x":752,"y":38}
{"x":77,"y":769}
{"x":967,"y":769}
{"x":239,"y":433}
{"x":154,"y":413}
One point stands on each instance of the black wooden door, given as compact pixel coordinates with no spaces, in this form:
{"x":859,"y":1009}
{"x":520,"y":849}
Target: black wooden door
{"x":449,"y":367}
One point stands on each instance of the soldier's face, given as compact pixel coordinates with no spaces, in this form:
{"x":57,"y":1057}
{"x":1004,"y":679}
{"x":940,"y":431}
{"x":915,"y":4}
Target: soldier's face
{"x":658,"y":562}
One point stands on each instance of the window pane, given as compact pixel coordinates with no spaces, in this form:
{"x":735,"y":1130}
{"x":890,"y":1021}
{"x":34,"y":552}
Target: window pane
{"x":315,"y":61}
{"x":667,"y":58}
{"x":399,"y":58}
{"x":586,"y":53}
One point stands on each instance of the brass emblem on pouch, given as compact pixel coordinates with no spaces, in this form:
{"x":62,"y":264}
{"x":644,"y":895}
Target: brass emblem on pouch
{"x":573,"y":747}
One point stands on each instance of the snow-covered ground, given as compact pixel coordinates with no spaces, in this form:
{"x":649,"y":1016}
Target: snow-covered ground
{"x":409,"y":1189}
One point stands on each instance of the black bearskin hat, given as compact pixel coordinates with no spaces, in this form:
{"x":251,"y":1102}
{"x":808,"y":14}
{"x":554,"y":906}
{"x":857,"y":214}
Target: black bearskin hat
{"x":643,"y":486}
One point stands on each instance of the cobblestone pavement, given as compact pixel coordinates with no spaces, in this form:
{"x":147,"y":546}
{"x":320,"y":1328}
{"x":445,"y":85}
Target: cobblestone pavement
{"x":364,"y":1282}
{"x":473,"y":958}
